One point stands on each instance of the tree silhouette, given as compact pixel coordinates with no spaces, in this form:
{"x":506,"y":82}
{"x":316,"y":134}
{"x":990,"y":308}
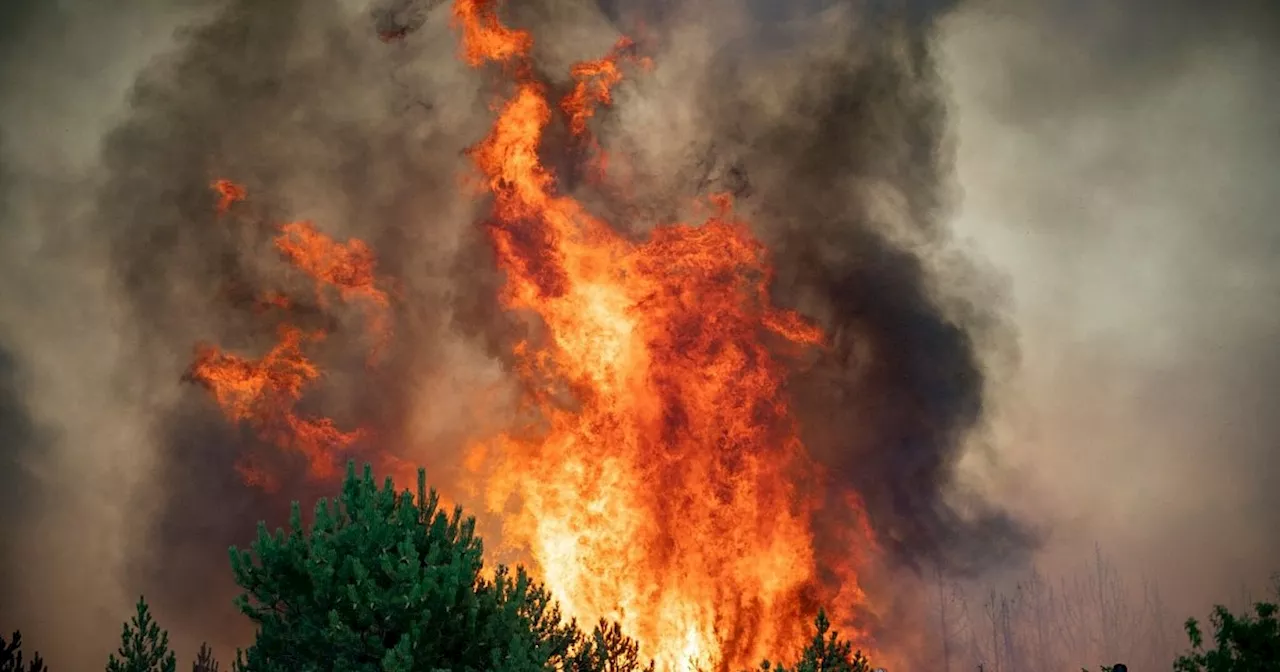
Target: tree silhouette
{"x":953,"y":617}
{"x":1057,"y":624}
{"x":205,"y":662}
{"x":826,"y":652}
{"x":144,"y":647}
{"x":11,"y":656}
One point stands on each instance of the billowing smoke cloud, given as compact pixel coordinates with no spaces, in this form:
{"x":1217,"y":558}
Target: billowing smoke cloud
{"x":830,"y":121}
{"x":1119,"y":162}
{"x":78,"y":455}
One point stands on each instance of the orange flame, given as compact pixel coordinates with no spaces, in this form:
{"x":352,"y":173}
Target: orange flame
{"x":348,"y":267}
{"x":272,"y":300}
{"x":662,"y":479}
{"x":263,"y":393}
{"x":229,"y":193}
{"x":658,"y":482}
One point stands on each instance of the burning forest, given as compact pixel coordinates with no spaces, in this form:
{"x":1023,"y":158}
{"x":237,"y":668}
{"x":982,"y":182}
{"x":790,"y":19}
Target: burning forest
{"x":661,"y":477}
{"x":692,"y":344}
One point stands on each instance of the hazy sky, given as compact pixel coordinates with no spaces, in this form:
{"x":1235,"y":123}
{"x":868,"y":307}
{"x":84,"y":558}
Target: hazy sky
{"x":1119,"y":164}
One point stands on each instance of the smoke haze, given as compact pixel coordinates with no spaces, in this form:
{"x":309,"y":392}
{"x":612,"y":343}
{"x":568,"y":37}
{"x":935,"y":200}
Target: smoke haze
{"x":1040,"y":235}
{"x":1119,"y":164}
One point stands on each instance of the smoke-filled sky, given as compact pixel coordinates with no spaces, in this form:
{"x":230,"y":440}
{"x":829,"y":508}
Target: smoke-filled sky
{"x":1041,"y":234}
{"x":1118,"y":162}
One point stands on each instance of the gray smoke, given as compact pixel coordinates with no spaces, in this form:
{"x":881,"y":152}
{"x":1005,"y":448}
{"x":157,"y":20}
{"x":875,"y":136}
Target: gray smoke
{"x":1119,"y":162}
{"x":115,"y":267}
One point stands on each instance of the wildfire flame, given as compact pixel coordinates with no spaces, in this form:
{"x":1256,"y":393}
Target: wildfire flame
{"x":348,"y":268}
{"x":659,"y":480}
{"x":229,"y":193}
{"x":263,"y":393}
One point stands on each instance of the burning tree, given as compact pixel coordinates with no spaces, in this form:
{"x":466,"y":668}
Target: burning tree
{"x":387,"y":581}
{"x":826,"y":652}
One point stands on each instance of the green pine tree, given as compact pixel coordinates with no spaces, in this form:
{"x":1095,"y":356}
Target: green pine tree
{"x":386,"y":581}
{"x":11,"y":656}
{"x":826,"y":652}
{"x":144,"y":647}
